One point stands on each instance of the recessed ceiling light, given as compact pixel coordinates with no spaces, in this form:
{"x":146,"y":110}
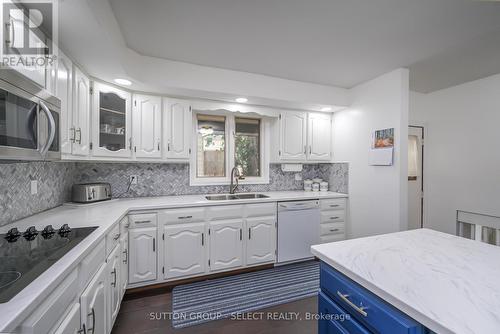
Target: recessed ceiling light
{"x":241,"y":100}
{"x":326,"y":109}
{"x":123,"y":82}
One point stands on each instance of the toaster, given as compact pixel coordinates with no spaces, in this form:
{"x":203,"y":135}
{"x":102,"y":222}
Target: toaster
{"x":91,"y":192}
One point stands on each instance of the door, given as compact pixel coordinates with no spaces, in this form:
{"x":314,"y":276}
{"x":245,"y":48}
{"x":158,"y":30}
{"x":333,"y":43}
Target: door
{"x":71,"y":323}
{"x":142,"y":251}
{"x":93,"y":303}
{"x":177,"y":123}
{"x":114,"y":285}
{"x":184,"y":250}
{"x":147,"y":126}
{"x":293,"y":136}
{"x":124,"y":264}
{"x":64,"y":84}
{"x":81,"y":113}
{"x":226,"y":244}
{"x":319,"y":136}
{"x":415,"y":177}
{"x":261,"y":242}
{"x":111,"y":124}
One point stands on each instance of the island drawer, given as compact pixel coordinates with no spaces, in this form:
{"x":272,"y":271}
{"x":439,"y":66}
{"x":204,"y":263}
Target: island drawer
{"x":332,"y":204}
{"x":373,"y":312}
{"x":332,"y":228}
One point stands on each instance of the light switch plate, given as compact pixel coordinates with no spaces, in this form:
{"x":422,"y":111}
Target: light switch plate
{"x":34,"y":187}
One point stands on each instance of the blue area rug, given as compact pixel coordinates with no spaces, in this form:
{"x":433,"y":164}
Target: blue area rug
{"x":209,"y":300}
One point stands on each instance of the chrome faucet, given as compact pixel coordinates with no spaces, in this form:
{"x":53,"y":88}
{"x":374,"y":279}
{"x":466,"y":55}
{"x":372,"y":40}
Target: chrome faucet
{"x":236,"y":174}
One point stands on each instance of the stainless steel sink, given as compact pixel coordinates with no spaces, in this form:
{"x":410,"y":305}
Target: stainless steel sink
{"x":235,"y":196}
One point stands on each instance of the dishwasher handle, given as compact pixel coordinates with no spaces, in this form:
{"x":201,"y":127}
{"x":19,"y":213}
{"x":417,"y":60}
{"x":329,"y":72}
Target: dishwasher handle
{"x":297,"y":205}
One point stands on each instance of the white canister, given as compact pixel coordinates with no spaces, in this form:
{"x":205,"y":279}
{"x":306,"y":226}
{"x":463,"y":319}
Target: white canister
{"x":315,"y":187}
{"x":323,"y":186}
{"x":308,"y":185}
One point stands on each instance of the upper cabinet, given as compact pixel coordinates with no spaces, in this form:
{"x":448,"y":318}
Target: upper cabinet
{"x":304,"y":137}
{"x":177,"y":128}
{"x":293,"y":140}
{"x":111,"y":122}
{"x":79,"y":132}
{"x":147,"y":126}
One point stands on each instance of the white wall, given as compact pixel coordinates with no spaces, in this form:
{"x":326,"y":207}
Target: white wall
{"x":462,"y":154}
{"x":377,"y":195}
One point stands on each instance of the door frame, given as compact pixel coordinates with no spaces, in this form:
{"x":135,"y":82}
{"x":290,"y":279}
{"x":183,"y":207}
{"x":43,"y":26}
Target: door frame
{"x":422,"y":132}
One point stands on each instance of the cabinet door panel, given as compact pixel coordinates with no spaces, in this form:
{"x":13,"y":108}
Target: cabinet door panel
{"x":293,"y":136}
{"x":147,"y":126}
{"x":261,"y":242}
{"x":177,"y":123}
{"x":319,"y":136}
{"x":142,"y":250}
{"x":184,"y":250}
{"x":81,"y":112}
{"x":71,"y":322}
{"x":93,"y":303}
{"x":64,"y":85}
{"x":124,"y":264}
{"x":226,"y":244}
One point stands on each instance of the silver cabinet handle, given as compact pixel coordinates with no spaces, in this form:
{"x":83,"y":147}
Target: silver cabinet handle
{"x":168,"y":147}
{"x":184,"y":217}
{"x":142,"y":221}
{"x":359,"y":309}
{"x":73,"y":132}
{"x":82,"y":330}
{"x":130,"y":143}
{"x":116,"y":236}
{"x":249,"y":233}
{"x":203,"y":239}
{"x":334,"y":230}
{"x":334,"y":205}
{"x":126,"y":256}
{"x":334,"y":217}
{"x":158,"y":145}
{"x":79,"y":140}
{"x":154,"y":244}
{"x":241,"y":234}
{"x":92,"y":313}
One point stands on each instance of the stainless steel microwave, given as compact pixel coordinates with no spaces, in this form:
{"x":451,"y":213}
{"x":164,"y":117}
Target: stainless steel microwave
{"x":29,"y":120}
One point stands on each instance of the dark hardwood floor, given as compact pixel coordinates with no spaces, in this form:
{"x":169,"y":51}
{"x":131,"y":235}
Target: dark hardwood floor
{"x":135,"y":314}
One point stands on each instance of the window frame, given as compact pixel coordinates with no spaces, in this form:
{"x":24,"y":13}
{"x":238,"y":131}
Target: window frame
{"x":230,"y":129}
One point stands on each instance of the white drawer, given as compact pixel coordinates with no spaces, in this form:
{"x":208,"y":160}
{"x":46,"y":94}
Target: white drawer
{"x":91,"y":263}
{"x":112,"y":239}
{"x":142,"y":220}
{"x":224,"y":212}
{"x":188,"y":215}
{"x":332,"y":228}
{"x":332,"y":216}
{"x":332,"y":204}
{"x":331,"y":238}
{"x":51,"y":310}
{"x":261,"y":210}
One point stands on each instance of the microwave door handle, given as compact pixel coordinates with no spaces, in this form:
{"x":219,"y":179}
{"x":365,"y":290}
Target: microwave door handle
{"x":32,"y":125}
{"x":52,"y":128}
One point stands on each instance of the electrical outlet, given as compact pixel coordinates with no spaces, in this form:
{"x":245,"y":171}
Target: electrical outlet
{"x":34,"y":187}
{"x":134,"y":179}
{"x":298,"y":177}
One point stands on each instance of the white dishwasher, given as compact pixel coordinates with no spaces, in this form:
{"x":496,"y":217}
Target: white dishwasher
{"x":298,"y":229}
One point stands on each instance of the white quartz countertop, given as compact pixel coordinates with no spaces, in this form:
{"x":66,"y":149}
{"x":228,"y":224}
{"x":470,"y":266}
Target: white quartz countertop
{"x":449,"y":284}
{"x":105,"y":215}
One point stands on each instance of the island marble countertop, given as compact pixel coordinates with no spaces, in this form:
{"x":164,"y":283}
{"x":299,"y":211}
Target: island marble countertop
{"x":104,"y":215}
{"x":447,"y":283}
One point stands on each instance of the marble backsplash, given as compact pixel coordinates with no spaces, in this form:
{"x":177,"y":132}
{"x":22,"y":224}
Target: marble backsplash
{"x":56,"y":178}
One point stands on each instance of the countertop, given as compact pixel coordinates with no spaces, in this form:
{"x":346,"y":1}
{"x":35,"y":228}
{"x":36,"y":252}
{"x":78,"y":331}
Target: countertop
{"x":448,"y":283}
{"x":105,"y":215}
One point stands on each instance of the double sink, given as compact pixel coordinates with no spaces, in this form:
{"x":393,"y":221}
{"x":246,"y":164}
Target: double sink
{"x":234,"y":197}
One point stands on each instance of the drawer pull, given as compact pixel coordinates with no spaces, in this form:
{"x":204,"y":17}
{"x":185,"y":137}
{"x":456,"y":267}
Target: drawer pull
{"x":334,"y":230}
{"x":184,"y":217}
{"x":126,"y":256}
{"x":116,"y":237}
{"x":143,"y":221}
{"x":359,"y":309}
{"x":334,"y":205}
{"x":336,"y":217}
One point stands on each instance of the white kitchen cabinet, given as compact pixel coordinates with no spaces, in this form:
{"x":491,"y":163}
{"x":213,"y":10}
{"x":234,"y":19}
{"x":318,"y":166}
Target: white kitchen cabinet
{"x":226,"y":244}
{"x":124,"y":263}
{"x":111,"y":122}
{"x":113,"y":270}
{"x":146,"y":126}
{"x":71,"y":322}
{"x":64,"y":91}
{"x":293,"y":140}
{"x":319,"y":136}
{"x":177,"y":125}
{"x":142,"y":252}
{"x":184,"y":250}
{"x":93,"y":303}
{"x":80,"y":131}
{"x":261,"y":240}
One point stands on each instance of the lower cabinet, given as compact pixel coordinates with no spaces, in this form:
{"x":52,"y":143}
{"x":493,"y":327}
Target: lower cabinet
{"x":226,"y":244}
{"x":71,"y":323}
{"x":93,"y":304}
{"x":184,"y":250}
{"x":142,"y":254}
{"x":124,"y":263}
{"x":261,"y":242}
{"x":113,"y":270}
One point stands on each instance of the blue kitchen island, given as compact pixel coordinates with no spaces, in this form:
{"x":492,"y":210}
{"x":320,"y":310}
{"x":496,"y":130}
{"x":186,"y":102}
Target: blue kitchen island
{"x":411,"y":282}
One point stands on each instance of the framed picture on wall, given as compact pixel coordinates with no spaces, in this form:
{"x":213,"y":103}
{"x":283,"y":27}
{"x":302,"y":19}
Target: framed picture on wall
{"x":383,"y":138}
{"x":382,"y":148}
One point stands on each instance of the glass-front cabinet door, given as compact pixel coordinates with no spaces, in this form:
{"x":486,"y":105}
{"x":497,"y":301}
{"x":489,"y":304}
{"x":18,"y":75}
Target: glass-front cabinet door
{"x":111,"y":131}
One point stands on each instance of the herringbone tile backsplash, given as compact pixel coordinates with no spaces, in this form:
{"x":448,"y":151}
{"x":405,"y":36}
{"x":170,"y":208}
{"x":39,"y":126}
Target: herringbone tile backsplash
{"x":56,"y":178}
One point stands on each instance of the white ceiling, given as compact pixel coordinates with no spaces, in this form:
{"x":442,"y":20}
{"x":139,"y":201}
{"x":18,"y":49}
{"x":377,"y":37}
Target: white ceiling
{"x":333,"y":42}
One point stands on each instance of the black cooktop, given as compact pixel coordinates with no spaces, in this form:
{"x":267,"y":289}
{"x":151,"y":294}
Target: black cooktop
{"x":25,"y":256}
